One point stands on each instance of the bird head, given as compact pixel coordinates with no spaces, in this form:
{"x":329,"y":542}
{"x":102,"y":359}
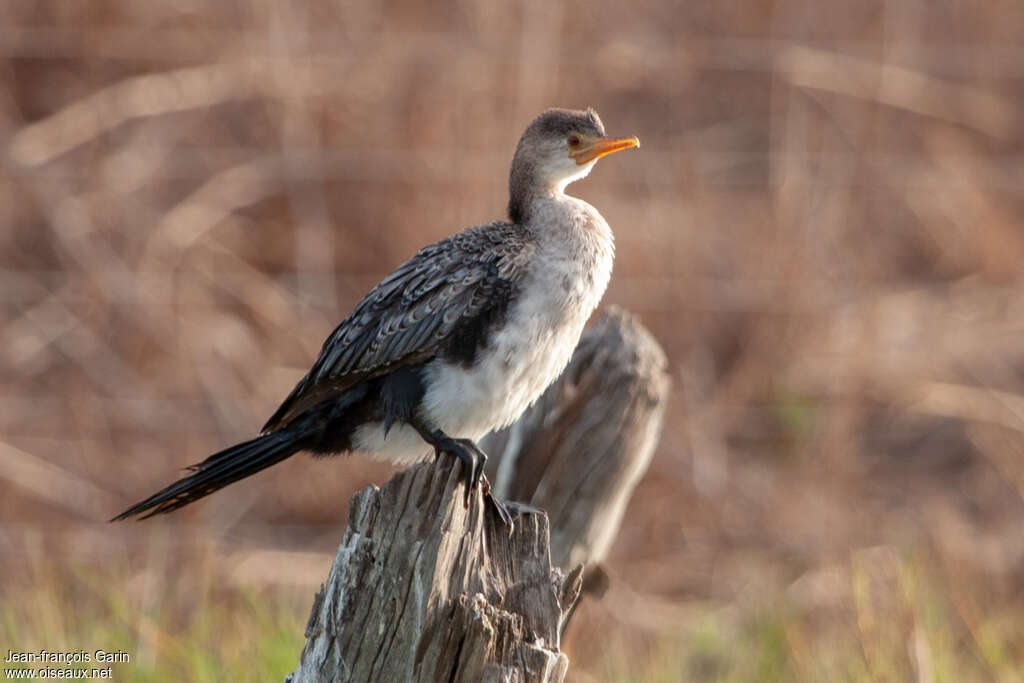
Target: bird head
{"x":557,"y":148}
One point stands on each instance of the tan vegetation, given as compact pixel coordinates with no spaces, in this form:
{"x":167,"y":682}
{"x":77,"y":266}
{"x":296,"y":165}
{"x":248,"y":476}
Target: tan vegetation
{"x":823,"y":229}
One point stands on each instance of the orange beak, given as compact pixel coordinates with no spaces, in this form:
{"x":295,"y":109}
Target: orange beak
{"x":595,"y":148}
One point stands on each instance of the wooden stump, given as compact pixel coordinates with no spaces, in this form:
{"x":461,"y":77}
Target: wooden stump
{"x":423,"y":589}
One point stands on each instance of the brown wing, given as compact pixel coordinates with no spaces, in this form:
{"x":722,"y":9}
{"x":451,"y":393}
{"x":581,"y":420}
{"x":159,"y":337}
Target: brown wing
{"x":409,"y":316}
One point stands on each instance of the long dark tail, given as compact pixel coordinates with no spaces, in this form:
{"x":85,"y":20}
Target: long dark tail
{"x":217,"y":471}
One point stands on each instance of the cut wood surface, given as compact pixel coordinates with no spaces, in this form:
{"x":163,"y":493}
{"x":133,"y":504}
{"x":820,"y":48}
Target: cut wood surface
{"x":424,"y":589}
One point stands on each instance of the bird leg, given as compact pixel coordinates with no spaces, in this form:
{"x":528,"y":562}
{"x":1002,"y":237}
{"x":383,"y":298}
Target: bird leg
{"x":472,"y":456}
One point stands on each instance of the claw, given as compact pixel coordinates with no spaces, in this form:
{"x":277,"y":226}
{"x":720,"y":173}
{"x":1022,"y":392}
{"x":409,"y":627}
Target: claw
{"x":503,"y":512}
{"x":498,"y":506}
{"x":479,"y":460}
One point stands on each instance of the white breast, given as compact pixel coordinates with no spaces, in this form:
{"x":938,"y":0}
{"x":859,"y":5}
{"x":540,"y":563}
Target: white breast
{"x":563,"y":286}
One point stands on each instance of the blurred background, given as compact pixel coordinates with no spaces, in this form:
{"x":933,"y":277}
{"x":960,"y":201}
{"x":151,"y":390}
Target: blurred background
{"x":822,"y":228}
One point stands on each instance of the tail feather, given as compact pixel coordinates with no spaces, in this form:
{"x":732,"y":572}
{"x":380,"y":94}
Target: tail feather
{"x":217,"y":471}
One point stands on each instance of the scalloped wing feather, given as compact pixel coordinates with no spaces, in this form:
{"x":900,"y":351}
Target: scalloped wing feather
{"x":408,"y":316}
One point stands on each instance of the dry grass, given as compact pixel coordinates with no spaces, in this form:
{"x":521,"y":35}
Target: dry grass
{"x":823,"y":228}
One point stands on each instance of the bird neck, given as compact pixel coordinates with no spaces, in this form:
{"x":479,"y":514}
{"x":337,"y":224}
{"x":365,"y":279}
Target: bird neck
{"x":522,"y":188}
{"x":526,"y":188}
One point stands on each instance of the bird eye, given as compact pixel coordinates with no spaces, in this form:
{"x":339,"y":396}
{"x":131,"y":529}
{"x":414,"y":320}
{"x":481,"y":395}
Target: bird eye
{"x":574,"y":141}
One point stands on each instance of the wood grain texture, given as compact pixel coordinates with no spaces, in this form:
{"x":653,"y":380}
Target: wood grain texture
{"x":424,"y":589}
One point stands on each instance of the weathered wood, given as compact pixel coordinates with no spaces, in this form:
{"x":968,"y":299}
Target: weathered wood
{"x":580,"y":451}
{"x":423,"y":589}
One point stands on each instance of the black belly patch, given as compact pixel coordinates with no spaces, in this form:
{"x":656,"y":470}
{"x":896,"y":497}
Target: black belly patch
{"x":331,"y":425}
{"x":401,"y":392}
